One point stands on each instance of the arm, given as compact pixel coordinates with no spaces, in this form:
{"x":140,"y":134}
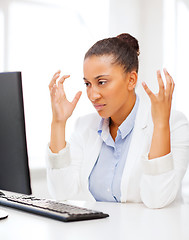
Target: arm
{"x":62,"y":181}
{"x":167,"y":160}
{"x":160,"y":109}
{"x":61,"y":109}
{"x":162,"y":177}
{"x":63,"y":169}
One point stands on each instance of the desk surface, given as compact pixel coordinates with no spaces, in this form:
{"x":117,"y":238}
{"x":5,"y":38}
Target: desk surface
{"x":126,"y":221}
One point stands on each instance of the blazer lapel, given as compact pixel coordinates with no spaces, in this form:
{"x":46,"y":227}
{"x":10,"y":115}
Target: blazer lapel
{"x":139,"y":144}
{"x":92,"y":150}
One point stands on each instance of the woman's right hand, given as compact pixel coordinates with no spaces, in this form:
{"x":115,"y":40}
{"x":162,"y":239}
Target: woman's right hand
{"x":62,"y":109}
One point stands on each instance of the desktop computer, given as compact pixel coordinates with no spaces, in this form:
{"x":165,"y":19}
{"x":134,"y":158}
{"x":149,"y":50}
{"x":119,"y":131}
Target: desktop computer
{"x":14,"y":169}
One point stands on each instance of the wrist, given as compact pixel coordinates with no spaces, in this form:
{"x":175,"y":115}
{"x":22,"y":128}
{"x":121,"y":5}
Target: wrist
{"x":57,"y":139}
{"x":58,"y":122}
{"x":161,"y":125}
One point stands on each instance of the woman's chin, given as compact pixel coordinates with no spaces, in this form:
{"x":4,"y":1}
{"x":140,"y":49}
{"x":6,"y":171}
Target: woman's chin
{"x":103,"y":114}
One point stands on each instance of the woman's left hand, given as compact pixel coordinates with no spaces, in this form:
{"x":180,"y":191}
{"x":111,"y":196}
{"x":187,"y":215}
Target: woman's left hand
{"x":161,"y":102}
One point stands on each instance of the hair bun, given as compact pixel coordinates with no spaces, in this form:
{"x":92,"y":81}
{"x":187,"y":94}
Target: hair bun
{"x":130,"y":40}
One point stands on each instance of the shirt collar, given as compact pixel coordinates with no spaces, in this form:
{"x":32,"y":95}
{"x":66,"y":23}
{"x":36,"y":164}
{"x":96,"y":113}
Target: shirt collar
{"x":125,"y":128}
{"x":128,"y":124}
{"x":103,"y":129}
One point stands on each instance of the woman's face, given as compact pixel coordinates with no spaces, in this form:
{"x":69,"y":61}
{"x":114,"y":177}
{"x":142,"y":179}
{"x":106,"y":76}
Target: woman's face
{"x":108,"y":86}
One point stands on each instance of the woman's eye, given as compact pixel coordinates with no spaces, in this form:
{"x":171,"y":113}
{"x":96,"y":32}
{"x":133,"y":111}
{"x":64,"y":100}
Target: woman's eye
{"x":86,"y":84}
{"x":102,"y":82}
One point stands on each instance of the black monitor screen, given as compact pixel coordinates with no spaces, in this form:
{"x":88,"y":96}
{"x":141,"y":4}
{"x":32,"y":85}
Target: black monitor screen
{"x":14,"y":170}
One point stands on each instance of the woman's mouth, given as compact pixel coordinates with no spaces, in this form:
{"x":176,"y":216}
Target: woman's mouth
{"x":99,"y":106}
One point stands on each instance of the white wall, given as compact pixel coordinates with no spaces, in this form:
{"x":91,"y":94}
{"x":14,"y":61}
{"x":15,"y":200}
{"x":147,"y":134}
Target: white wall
{"x":39,"y":182}
{"x":124,"y":16}
{"x":144,"y":20}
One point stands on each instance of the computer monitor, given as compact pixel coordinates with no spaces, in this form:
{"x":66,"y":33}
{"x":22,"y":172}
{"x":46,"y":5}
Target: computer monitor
{"x":14,"y":169}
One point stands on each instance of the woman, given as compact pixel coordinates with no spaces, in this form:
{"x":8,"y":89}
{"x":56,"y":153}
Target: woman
{"x":131,"y":151}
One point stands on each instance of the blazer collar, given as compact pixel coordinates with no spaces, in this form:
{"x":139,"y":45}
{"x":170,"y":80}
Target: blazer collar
{"x":144,"y":114}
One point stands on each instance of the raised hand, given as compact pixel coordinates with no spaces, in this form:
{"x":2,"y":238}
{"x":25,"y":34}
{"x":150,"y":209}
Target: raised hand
{"x":161,"y":102}
{"x":160,"y":109}
{"x":62,"y":109}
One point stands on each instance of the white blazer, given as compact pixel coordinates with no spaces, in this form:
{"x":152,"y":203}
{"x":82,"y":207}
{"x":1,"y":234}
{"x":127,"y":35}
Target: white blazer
{"x":155,"y":182}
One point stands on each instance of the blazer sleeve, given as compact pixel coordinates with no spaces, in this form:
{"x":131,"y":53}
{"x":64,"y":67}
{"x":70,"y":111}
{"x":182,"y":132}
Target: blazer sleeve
{"x":63,"y":168}
{"x":162,"y":177}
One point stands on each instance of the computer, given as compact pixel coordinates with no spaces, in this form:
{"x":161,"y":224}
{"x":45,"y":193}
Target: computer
{"x":14,"y":169}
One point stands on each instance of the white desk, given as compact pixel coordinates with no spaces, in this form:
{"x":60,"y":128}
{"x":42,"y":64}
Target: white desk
{"x":126,"y":221}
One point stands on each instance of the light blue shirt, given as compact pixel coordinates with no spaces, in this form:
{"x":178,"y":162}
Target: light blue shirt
{"x":105,"y":177}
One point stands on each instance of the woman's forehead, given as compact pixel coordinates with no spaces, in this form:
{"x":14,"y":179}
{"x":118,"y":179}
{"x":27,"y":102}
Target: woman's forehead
{"x":100,"y":65}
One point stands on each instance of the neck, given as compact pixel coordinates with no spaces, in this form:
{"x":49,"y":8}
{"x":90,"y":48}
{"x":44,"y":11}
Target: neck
{"x":116,"y":121}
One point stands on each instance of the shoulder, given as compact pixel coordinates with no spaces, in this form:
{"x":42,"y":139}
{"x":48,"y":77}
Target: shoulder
{"x":89,"y":121}
{"x":143,"y":117}
{"x":179,"y":127}
{"x":177,"y":119}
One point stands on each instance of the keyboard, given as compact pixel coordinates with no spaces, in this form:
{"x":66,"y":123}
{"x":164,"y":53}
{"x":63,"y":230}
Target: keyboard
{"x":49,"y":208}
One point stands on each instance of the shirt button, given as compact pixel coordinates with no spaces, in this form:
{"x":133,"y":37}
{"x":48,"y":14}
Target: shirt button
{"x":108,"y":190}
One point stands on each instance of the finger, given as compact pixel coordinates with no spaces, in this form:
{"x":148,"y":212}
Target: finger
{"x":169,"y":83}
{"x":62,"y":79}
{"x":61,"y":87}
{"x":76,"y":98}
{"x":147,"y":90}
{"x":53,"y":81}
{"x":160,"y":82}
{"x":58,"y":72}
{"x":53,"y":90}
{"x":173,"y":87}
{"x":165,"y":71}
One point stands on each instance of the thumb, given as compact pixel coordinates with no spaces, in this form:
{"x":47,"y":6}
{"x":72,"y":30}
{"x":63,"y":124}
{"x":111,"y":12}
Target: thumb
{"x":147,"y":90}
{"x":76,"y":99}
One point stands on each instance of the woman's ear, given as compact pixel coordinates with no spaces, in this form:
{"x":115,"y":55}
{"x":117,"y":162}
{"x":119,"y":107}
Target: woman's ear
{"x":133,"y":76}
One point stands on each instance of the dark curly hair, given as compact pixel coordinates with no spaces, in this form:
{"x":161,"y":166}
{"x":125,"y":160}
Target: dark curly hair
{"x":124,"y":49}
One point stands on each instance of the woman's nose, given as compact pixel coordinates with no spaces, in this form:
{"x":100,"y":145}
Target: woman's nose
{"x":93,"y":94}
